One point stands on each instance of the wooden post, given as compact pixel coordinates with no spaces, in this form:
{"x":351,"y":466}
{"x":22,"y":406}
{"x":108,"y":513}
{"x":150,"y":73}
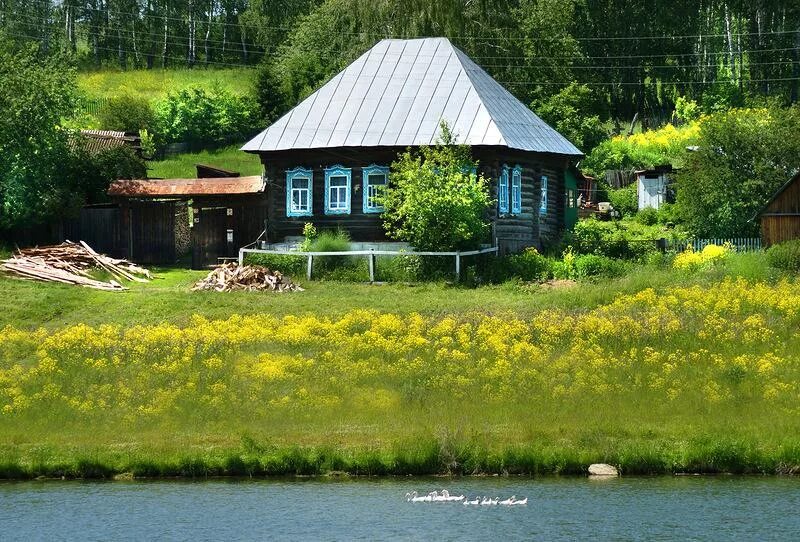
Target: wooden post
{"x":241,"y":257}
{"x":310,"y":264}
{"x":371,"y":266}
{"x":458,"y":266}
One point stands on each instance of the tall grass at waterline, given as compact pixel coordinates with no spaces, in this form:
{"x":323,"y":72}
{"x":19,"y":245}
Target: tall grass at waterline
{"x":693,"y":378}
{"x":155,"y":84}
{"x":183,"y":166}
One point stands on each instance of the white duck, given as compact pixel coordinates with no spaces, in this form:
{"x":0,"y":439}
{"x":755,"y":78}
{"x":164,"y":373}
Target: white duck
{"x":488,"y":501}
{"x":475,"y":502}
{"x":509,"y":501}
{"x":451,"y":498}
{"x":521,"y":501}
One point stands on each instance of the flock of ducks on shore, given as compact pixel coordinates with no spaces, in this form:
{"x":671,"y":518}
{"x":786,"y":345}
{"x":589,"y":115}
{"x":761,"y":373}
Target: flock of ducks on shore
{"x":444,"y":496}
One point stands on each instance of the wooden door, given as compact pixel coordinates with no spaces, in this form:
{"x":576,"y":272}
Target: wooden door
{"x":209,"y":236}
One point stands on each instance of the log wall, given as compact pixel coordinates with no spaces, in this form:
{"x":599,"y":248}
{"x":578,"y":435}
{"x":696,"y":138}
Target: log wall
{"x":513,"y":232}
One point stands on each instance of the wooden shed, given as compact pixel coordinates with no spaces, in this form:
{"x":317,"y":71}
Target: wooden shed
{"x":226,"y":213}
{"x":780,"y":217}
{"x":326,"y":159}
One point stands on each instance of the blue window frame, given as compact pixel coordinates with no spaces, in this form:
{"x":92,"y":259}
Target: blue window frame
{"x":299,"y":192}
{"x":502,"y":192}
{"x":516,"y":190}
{"x":543,"y":200}
{"x":337,"y":190}
{"x":375,"y":179}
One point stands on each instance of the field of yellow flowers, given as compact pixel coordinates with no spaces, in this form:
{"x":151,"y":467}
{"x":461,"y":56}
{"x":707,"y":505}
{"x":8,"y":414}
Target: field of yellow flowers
{"x":692,"y":378}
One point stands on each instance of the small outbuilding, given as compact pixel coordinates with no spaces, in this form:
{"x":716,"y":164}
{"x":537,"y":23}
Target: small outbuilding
{"x":653,"y":187}
{"x":780,"y":217}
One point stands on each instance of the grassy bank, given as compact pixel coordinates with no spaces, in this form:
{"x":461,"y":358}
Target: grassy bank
{"x":182,"y":166}
{"x":155,"y":84}
{"x":657,"y":372}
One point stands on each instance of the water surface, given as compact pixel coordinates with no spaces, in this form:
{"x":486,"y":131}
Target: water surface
{"x":664,"y":508}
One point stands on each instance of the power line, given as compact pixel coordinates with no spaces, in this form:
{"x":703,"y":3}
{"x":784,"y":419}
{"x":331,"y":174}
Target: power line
{"x":385,"y":35}
{"x":233,"y":47}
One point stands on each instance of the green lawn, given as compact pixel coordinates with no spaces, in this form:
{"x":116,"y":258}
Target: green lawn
{"x":659,"y":371}
{"x":183,"y":166}
{"x":156,"y":83}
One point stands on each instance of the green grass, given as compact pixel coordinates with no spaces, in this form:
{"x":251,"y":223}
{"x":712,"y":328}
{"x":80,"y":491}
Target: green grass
{"x":338,"y":391}
{"x":155,"y":84}
{"x":182,"y":166}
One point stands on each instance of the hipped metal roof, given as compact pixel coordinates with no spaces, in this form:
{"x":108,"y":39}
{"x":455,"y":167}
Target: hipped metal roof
{"x":186,"y":187}
{"x":397,"y":93}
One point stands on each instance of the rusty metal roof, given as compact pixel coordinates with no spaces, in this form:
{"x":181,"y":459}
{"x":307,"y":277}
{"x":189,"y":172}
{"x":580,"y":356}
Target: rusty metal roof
{"x":95,"y":141}
{"x":186,"y":187}
{"x":398,"y":92}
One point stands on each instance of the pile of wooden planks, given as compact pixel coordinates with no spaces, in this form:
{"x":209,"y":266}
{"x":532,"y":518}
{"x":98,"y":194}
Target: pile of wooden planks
{"x":230,"y":276}
{"x":72,"y":263}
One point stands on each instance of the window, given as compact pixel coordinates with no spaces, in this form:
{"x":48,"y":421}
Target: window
{"x":502,"y":192}
{"x":571,"y":200}
{"x":298,"y":192}
{"x":543,"y":201}
{"x":337,"y":191}
{"x":375,"y":180}
{"x":516,"y":190}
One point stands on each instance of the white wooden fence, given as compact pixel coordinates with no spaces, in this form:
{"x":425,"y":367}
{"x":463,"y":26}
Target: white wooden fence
{"x":740,"y":244}
{"x":369,"y":254}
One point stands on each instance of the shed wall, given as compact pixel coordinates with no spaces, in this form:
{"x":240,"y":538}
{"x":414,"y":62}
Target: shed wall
{"x":780,"y":221}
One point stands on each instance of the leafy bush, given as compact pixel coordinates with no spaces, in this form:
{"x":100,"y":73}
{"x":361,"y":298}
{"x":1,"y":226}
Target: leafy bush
{"x":197,"y":116}
{"x":785,"y":256}
{"x":293,"y":266}
{"x":687,"y":110}
{"x":126,"y":113}
{"x":528,"y":265}
{"x":647,"y":216}
{"x":435,"y":201}
{"x":668,"y":214}
{"x":329,"y":241}
{"x":611,"y":239}
{"x":593,"y":265}
{"x":624,"y":200}
{"x":691,"y":260}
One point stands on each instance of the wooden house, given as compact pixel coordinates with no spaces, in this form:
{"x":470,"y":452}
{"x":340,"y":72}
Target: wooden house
{"x":326,"y":159}
{"x":780,"y":217}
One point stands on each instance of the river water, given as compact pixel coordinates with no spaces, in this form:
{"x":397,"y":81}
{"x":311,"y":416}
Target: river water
{"x":662,"y":508}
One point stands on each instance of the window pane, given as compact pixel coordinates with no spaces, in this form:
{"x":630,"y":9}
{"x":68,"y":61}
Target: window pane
{"x":300,"y":182}
{"x":376,"y":179}
{"x":338,"y":181}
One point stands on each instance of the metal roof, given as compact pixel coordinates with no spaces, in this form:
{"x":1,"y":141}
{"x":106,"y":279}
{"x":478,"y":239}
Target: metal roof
{"x":397,"y":93}
{"x":187,"y":187}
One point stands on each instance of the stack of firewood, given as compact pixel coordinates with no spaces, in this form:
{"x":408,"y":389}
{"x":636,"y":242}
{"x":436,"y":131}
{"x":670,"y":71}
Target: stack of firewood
{"x":230,"y":276}
{"x":73,"y":263}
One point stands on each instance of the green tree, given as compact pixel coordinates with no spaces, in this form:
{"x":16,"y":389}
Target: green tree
{"x":35,"y":95}
{"x":435,"y":201}
{"x":569,"y":112}
{"x":743,"y":157}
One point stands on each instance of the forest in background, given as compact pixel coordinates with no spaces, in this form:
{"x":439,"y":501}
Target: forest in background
{"x":636,"y":56}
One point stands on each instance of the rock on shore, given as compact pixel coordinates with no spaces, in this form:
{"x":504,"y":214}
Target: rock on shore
{"x":602,"y":469}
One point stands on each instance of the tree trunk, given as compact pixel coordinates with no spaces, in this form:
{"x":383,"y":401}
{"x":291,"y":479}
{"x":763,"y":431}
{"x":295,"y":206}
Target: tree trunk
{"x":795,"y":66}
{"x":166,"y":33}
{"x":207,"y":50}
{"x":729,"y":34}
{"x":190,"y":54}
